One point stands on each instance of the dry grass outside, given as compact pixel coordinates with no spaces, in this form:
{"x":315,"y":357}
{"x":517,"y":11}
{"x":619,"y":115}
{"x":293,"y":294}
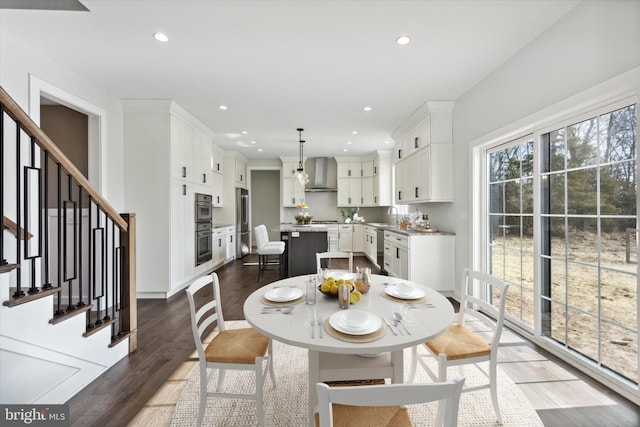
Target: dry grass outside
{"x":576,"y":282}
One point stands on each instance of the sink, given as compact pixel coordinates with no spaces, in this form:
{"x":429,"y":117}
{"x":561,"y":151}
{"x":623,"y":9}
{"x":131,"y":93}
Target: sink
{"x":309,"y":225}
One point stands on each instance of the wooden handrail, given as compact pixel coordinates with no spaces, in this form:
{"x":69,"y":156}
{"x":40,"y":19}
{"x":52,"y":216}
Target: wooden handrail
{"x":32,"y":129}
{"x":8,"y":224}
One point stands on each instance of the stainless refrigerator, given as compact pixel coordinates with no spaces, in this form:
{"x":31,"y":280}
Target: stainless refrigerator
{"x":242,"y":222}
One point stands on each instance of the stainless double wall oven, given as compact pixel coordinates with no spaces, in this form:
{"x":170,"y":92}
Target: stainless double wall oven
{"x":204,"y":224}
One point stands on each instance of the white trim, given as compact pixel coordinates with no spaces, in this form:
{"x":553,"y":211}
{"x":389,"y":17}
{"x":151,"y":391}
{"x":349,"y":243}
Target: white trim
{"x":622,"y":89}
{"x":97,"y":125}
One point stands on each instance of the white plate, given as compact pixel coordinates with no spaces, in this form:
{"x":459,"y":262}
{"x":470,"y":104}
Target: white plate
{"x":355,"y":322}
{"x":283,"y":294}
{"x":404,"y":291}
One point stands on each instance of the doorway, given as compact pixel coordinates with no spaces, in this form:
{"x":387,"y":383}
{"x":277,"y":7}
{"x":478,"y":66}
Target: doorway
{"x":265,"y":200}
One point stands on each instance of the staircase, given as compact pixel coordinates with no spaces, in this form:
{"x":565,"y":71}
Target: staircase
{"x":67,"y":270}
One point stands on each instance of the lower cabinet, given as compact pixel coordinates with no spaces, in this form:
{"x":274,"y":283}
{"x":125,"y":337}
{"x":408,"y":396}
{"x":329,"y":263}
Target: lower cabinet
{"x":426,"y":259}
{"x":371,"y":244}
{"x":345,"y":237}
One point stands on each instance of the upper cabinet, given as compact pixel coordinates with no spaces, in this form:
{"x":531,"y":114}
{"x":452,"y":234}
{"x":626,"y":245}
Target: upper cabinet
{"x":241,"y":173}
{"x":365,"y":181}
{"x":423,"y":156}
{"x":217,"y":176}
{"x":292,"y":191}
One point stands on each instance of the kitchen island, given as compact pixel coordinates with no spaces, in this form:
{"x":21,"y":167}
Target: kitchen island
{"x":302,"y":242}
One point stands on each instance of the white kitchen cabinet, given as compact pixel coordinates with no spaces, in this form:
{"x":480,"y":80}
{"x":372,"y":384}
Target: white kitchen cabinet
{"x":217,"y":189}
{"x":349,"y":192}
{"x":427,"y":259}
{"x":219,"y":245}
{"x":358,"y":238}
{"x":217,"y":176}
{"x":426,"y":175}
{"x":418,"y":135}
{"x":182,"y":231}
{"x":202,"y":158}
{"x":368,"y":191}
{"x":423,"y":157}
{"x":345,"y":238}
{"x":367,"y":168}
{"x":161,"y":180}
{"x":241,"y":173}
{"x":399,"y":150}
{"x":371,"y":244}
{"x":231,"y":243}
{"x":333,"y":238}
{"x":292,"y":191}
{"x":352,"y":169}
{"x":181,"y":146}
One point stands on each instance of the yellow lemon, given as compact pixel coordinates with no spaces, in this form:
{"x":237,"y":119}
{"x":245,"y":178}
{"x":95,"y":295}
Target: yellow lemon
{"x":334,"y":289}
{"x":340,"y":281}
{"x":353,"y":299}
{"x":357,"y":294}
{"x":325,"y":287}
{"x":330,"y":279}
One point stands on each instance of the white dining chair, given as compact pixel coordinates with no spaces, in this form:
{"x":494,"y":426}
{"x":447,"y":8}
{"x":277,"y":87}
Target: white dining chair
{"x":460,"y":345}
{"x":267,"y":249}
{"x":384,"y":405}
{"x":231,"y":349}
{"x":333,"y":255}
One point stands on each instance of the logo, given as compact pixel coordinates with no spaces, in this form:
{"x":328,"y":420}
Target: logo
{"x":35,"y":415}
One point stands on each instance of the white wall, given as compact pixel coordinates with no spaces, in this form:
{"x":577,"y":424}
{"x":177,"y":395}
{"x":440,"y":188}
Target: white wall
{"x":596,"y":41}
{"x":19,"y":61}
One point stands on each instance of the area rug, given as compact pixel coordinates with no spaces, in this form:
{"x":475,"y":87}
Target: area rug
{"x":286,"y":405}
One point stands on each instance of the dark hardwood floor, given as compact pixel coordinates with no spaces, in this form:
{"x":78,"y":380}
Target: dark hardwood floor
{"x":562,"y":395}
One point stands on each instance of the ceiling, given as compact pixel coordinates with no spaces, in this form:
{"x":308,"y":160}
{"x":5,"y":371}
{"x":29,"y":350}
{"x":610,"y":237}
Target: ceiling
{"x":281,"y":65}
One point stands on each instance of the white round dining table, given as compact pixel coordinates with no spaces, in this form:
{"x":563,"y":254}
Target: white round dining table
{"x":331,"y":358}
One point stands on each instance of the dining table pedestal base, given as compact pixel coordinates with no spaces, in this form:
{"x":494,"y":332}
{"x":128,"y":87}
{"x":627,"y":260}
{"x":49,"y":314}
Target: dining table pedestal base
{"x":343,"y":367}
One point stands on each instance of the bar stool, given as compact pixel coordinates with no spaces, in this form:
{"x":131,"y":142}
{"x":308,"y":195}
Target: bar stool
{"x":266,"y":249}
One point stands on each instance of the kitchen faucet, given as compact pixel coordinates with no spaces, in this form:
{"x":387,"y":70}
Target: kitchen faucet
{"x":389,"y":212}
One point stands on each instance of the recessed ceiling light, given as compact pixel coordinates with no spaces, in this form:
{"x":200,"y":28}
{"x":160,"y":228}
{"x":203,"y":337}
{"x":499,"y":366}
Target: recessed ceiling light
{"x":161,"y":37}
{"x":259,"y":149}
{"x":345,"y":150}
{"x":245,"y":132}
{"x":386,"y":142}
{"x":355,"y":132}
{"x":223,"y":107}
{"x":402,"y":40}
{"x":367,"y":108}
{"x":253,"y":142}
{"x":349,"y":142}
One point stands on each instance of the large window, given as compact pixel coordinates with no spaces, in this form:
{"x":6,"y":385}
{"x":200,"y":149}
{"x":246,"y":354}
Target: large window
{"x":588,"y":222}
{"x":585,"y":209}
{"x":511,"y":225}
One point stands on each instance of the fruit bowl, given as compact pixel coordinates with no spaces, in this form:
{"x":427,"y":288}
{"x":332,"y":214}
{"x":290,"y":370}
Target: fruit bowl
{"x":328,"y":292}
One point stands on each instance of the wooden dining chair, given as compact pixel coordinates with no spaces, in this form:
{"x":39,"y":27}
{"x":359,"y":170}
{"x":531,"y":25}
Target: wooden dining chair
{"x":460,"y":344}
{"x":320,"y":256}
{"x":384,"y":405}
{"x":231,"y":349}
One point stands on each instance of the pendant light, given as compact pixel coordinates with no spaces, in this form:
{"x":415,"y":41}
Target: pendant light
{"x":300,"y":175}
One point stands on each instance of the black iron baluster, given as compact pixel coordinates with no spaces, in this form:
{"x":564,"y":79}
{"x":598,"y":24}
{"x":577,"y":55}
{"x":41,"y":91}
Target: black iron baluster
{"x":105,"y":275}
{"x":90,"y":273}
{"x":27,"y":213}
{"x":19,"y":292}
{"x":59,"y":310}
{"x":98,"y":298}
{"x":79,"y":220}
{"x":70,"y":208}
{"x":45,"y":253}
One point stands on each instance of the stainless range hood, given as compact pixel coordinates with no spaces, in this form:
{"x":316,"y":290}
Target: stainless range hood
{"x":319,"y":180}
